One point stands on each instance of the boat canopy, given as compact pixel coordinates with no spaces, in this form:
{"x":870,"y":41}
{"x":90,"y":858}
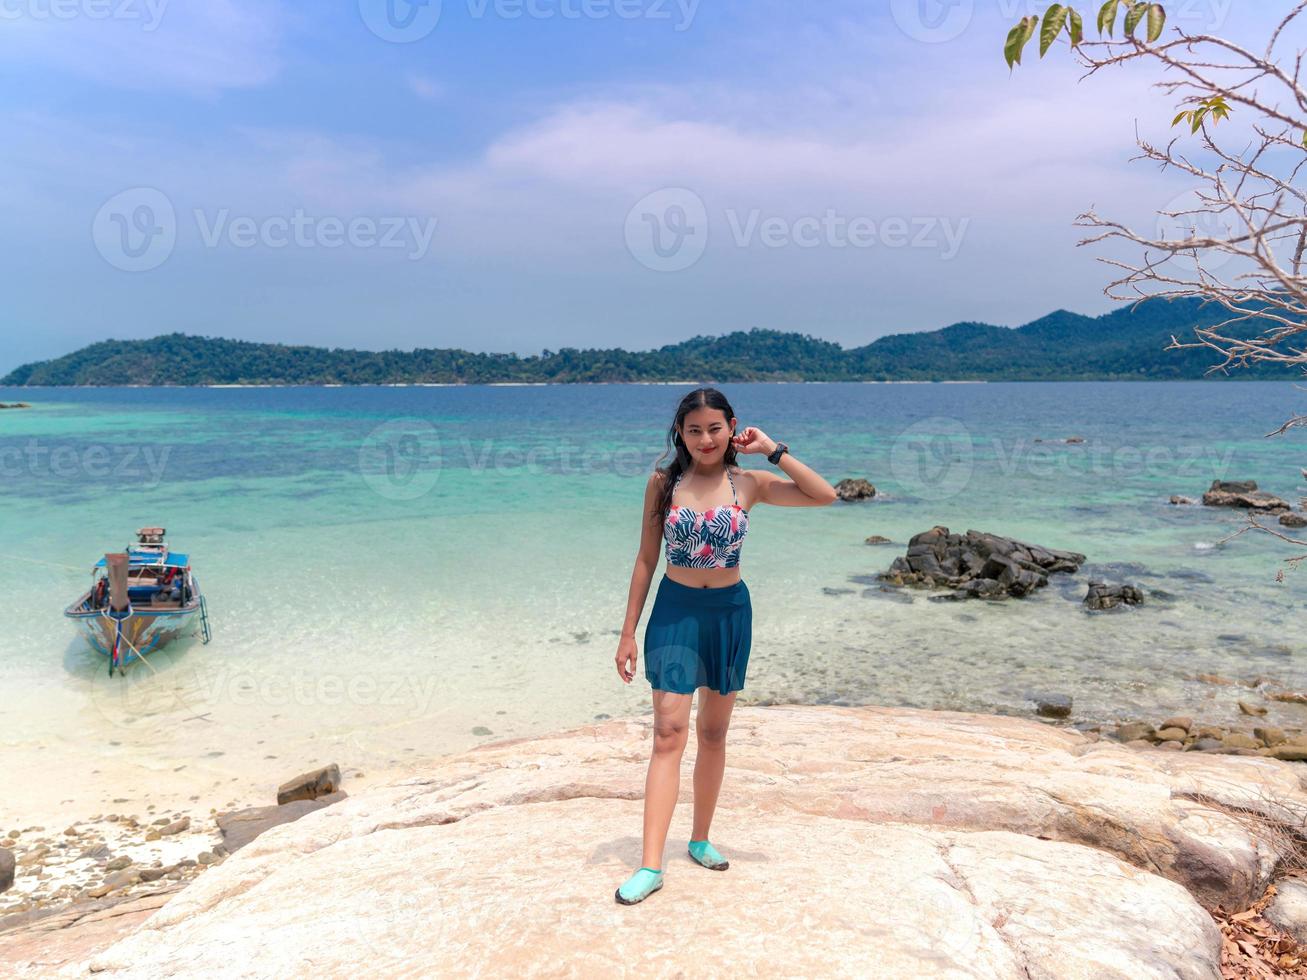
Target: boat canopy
{"x":143,"y":559}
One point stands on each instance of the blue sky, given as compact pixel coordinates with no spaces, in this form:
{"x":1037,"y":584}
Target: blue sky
{"x":512,"y":175}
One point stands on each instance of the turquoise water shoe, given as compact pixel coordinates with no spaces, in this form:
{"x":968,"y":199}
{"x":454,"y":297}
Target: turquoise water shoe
{"x":639,"y":886}
{"x":707,"y":855}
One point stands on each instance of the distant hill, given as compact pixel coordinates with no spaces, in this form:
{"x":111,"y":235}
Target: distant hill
{"x":1062,"y":346}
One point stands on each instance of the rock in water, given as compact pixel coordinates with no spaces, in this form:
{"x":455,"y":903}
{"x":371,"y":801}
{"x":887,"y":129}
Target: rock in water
{"x":978,"y":565}
{"x":1241,"y":493}
{"x":878,"y":539}
{"x":1104,"y":596}
{"x":1291,"y":519}
{"x":6,"y":869}
{"x":854,"y":489}
{"x":310,"y":785}
{"x":1178,"y":499}
{"x":1052,"y":705}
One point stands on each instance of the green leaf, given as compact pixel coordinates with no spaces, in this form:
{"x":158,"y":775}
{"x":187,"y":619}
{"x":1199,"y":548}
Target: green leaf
{"x":1304,"y":139}
{"x":1054,"y":21}
{"x":1076,"y":27}
{"x":1184,"y":114}
{"x":1107,"y":17}
{"x":1017,"y":39}
{"x":1133,"y":16}
{"x":1197,"y":120}
{"x":1012,"y":46}
{"x":1156,"y":21}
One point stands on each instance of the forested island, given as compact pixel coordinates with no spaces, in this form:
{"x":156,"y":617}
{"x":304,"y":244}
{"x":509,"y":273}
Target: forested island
{"x":1128,"y":343}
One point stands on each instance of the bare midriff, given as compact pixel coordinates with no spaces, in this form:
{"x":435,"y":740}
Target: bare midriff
{"x":703,"y":578}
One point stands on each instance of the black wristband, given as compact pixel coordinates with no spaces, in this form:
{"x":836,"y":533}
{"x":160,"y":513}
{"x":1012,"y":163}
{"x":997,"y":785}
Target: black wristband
{"x":774,"y":457}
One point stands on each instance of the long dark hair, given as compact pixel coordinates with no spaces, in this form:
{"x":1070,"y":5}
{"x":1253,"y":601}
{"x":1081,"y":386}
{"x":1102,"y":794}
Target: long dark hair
{"x":680,"y":456}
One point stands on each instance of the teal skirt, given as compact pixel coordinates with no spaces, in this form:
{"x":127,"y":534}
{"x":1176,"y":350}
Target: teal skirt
{"x":698,"y":638}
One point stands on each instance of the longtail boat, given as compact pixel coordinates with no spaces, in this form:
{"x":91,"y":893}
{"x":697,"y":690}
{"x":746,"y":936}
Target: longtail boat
{"x":140,"y":599}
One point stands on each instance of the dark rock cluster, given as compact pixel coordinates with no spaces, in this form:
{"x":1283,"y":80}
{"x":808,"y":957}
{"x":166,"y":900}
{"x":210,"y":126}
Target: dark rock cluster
{"x":1182,"y":734}
{"x":1104,"y":596}
{"x":977,"y":564}
{"x":1242,"y":493}
{"x":854,"y":489}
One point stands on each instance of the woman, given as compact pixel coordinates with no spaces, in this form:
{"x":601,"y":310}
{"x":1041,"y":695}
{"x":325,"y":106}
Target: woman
{"x":699,"y":630}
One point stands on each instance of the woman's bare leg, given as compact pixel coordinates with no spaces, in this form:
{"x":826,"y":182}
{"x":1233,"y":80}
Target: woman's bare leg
{"x":710,"y":724}
{"x":663,"y":782}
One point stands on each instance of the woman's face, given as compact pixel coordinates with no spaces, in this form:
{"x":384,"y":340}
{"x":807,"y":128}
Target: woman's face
{"x":706,"y":433}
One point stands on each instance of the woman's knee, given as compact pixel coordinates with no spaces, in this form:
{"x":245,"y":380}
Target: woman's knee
{"x":670,"y":735}
{"x":711,"y":736}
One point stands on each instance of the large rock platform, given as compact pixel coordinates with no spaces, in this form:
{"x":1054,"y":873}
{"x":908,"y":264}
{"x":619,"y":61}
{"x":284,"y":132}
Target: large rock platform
{"x":863,"y":842}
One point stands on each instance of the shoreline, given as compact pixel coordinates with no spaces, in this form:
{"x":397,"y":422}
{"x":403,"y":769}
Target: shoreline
{"x":688,"y":382}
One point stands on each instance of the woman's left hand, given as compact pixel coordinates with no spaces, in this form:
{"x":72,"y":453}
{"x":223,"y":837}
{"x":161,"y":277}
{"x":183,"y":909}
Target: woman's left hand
{"x":753,"y":440}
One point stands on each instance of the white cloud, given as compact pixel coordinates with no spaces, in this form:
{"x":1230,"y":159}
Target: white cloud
{"x":425,"y":88}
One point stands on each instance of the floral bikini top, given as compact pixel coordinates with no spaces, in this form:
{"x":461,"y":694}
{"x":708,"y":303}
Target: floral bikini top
{"x":705,"y":539}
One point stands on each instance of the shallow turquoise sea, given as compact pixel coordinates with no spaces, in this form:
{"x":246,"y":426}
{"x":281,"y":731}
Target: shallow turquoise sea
{"x":399,"y":572}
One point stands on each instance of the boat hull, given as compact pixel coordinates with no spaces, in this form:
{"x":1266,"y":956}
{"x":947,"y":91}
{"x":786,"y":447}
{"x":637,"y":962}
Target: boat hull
{"x":146,"y":631}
